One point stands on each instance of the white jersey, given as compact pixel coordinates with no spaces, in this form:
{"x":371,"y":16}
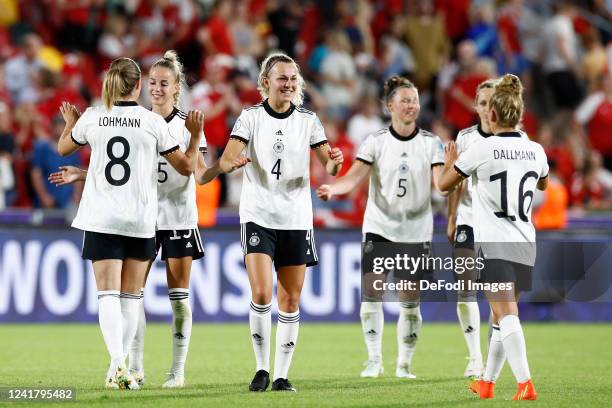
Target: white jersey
{"x":399,"y":197}
{"x":276,"y":184}
{"x":120,"y":195}
{"x":177,"y":193}
{"x":504,"y":171}
{"x":465,"y":139}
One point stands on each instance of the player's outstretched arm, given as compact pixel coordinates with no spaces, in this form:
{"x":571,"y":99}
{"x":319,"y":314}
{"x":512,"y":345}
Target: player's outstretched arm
{"x":449,"y":178}
{"x":230,"y":160}
{"x":71,"y":114}
{"x":185,"y":163}
{"x":358,"y":171}
{"x":67,"y":175}
{"x":330,"y":158}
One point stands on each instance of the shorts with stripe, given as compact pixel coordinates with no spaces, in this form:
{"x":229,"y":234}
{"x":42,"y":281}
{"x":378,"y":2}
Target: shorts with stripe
{"x":285,"y":247}
{"x":180,"y":243}
{"x":98,"y":246}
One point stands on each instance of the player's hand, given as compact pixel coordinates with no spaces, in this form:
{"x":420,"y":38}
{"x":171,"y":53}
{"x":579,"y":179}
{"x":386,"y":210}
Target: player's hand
{"x":194,"y":122}
{"x":239,"y":162}
{"x":451,"y":227}
{"x":336,"y":155}
{"x":70,"y":113}
{"x":324,"y":192}
{"x":450,"y":153}
{"x":66,"y":175}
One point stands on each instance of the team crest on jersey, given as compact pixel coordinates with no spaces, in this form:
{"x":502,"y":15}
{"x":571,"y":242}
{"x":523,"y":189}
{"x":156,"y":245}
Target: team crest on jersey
{"x":254,"y":240}
{"x":403,"y":168}
{"x":237,"y":125}
{"x":461,"y":237}
{"x":278,"y":147}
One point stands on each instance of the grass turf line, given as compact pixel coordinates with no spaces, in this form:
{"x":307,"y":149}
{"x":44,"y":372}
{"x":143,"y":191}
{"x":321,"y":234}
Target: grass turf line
{"x":569,"y":363}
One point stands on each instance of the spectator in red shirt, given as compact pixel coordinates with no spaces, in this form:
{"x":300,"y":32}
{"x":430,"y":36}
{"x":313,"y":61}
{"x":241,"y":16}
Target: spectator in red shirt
{"x":595,"y":113}
{"x":589,"y":190}
{"x":215,"y":35}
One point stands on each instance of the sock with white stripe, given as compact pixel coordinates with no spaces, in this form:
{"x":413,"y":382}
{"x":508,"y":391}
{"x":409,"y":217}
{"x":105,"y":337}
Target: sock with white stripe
{"x":286,"y":339}
{"x":260,"y":323}
{"x":372,"y":323}
{"x":109,"y":316}
{"x":136,"y":355}
{"x":513,"y":340}
{"x":409,"y":324}
{"x":496,"y":356}
{"x":181,"y":328}
{"x":130,"y":310}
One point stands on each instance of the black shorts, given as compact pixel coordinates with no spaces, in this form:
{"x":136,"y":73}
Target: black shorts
{"x":180,"y":243}
{"x":502,"y":271}
{"x":412,"y":249}
{"x":464,"y":237}
{"x":285,"y":247}
{"x":97,"y":246}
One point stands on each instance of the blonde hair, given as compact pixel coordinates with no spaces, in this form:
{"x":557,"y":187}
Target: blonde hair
{"x":264,"y":72}
{"x":507,"y":101}
{"x":171,"y":61}
{"x":393,"y":83}
{"x":488,"y":84}
{"x":120,"y":80}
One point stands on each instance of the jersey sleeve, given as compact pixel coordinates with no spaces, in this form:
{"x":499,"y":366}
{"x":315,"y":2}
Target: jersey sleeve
{"x":243,"y":128}
{"x":79,"y":132}
{"x":367,"y":153}
{"x":437,"y":152}
{"x":545,"y":167}
{"x":469,"y":161}
{"x":166,"y":143}
{"x":317,"y":137}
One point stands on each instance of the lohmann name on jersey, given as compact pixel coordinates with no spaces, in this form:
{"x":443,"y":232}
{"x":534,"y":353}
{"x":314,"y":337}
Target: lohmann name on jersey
{"x":502,"y":154}
{"x":118,"y":121}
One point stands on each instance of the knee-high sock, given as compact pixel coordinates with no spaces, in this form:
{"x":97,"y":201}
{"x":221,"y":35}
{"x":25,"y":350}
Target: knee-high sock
{"x":136,"y":355}
{"x":469,"y":320}
{"x":514,"y":344}
{"x":181,"y":328}
{"x":130,"y":309}
{"x":372,"y":324}
{"x":109,"y":316}
{"x":287,"y":331}
{"x":260,"y":323}
{"x":408,"y":328}
{"x":496,"y":356}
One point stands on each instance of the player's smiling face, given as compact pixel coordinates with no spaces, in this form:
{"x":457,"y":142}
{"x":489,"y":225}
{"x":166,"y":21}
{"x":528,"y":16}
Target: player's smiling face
{"x":482,"y":107}
{"x":404,"y":105}
{"x":162,"y":86}
{"x":282,"y":83}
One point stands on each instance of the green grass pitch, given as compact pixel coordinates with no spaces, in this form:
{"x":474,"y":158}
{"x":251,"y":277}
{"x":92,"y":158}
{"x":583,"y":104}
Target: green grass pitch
{"x":570,"y":365}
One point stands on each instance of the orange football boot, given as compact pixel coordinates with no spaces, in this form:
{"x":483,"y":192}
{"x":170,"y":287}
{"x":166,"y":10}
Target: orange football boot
{"x":483,"y":388}
{"x":526,"y":391}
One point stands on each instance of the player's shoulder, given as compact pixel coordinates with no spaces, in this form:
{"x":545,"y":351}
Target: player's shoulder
{"x":300,"y":109}
{"x":467,"y":132}
{"x":253,"y":108}
{"x":427,"y":134}
{"x":181,"y":114}
{"x":377,"y":135}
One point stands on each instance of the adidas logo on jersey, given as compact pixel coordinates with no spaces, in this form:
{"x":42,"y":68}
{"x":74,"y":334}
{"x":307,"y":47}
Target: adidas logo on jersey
{"x":188,"y":245}
{"x":404,"y":154}
{"x":279,"y":133}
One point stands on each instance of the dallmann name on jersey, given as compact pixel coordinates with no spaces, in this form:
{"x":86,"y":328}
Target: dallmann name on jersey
{"x":117,"y":121}
{"x":514,"y":155}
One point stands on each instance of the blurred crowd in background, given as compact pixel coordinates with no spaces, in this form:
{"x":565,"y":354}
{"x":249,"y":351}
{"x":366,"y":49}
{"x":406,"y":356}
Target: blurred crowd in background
{"x":56,"y":50}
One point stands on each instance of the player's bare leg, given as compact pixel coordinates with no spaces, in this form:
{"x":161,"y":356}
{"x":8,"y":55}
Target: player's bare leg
{"x":178,"y":272}
{"x":290,"y":283}
{"x":259,"y":271}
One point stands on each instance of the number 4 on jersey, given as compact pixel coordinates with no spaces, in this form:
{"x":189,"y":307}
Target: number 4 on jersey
{"x":276,"y":169}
